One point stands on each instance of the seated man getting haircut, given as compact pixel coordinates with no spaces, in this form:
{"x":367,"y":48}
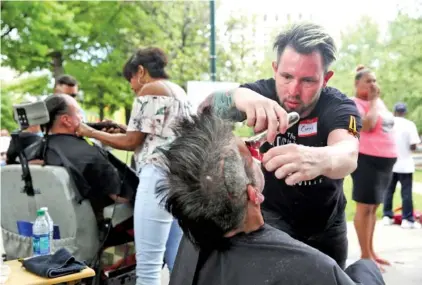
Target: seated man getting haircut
{"x":95,"y":176}
{"x":215,"y":193}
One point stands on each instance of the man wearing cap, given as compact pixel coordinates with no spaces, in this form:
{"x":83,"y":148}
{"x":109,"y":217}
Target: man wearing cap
{"x":406,"y":136}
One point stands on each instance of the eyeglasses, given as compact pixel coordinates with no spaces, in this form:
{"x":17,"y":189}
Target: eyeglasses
{"x":255,"y":142}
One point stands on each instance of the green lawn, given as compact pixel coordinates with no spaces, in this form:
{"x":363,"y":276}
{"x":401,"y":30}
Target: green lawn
{"x":417,"y":176}
{"x":351,"y":205}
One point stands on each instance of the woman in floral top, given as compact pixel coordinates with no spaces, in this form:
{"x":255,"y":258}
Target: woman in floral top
{"x":158,"y":104}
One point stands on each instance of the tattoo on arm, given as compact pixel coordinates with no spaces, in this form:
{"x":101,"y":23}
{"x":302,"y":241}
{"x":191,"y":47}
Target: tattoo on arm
{"x":223,"y":106}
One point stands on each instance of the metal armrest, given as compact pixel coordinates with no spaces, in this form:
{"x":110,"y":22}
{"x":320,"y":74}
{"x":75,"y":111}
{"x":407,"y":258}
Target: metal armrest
{"x":122,"y":212}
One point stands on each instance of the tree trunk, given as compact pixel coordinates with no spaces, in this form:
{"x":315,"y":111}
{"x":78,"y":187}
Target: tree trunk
{"x":57,"y":63}
{"x":101,"y":103}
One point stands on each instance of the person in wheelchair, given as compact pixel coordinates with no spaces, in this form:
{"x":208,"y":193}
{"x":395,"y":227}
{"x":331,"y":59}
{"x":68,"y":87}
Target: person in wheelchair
{"x":95,"y":177}
{"x":215,"y":193}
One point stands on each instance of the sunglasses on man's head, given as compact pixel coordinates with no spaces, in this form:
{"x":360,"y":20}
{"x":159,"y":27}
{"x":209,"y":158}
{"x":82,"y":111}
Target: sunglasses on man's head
{"x":255,"y":142}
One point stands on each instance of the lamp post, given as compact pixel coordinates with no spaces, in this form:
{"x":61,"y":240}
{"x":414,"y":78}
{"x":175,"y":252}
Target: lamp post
{"x":212,"y":42}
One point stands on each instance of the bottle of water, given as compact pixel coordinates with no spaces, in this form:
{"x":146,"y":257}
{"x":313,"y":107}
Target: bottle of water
{"x":50,"y":226}
{"x":40,"y":235}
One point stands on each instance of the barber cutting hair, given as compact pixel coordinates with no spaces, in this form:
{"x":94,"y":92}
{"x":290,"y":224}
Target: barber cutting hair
{"x":303,"y":166}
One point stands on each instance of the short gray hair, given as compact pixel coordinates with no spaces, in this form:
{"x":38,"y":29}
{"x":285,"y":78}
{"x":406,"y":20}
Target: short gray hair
{"x":306,"y":38}
{"x":207,"y":179}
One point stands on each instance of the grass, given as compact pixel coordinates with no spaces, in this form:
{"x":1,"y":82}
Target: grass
{"x":125,"y":156}
{"x":417,"y":176}
{"x":351,"y":205}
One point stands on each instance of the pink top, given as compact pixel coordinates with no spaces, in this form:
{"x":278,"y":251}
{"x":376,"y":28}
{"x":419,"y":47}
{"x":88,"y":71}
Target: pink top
{"x":379,"y":141}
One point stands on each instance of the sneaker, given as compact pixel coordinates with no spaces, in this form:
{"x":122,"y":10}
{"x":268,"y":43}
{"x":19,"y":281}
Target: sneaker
{"x":405,"y":224}
{"x":387,"y":221}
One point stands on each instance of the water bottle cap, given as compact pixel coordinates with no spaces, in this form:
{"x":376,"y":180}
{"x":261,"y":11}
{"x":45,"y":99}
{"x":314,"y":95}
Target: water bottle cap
{"x":40,"y":212}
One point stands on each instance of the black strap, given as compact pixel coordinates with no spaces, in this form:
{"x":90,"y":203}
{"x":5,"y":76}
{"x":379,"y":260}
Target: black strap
{"x":75,"y":175}
{"x":26,"y":174}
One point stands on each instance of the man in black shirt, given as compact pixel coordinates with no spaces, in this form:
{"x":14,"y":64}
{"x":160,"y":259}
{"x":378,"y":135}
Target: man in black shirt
{"x":95,"y":177}
{"x":214,"y":191}
{"x":304,"y":166}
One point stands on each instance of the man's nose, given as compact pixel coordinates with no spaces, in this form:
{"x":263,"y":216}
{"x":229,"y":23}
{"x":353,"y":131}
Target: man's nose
{"x":294,"y":88}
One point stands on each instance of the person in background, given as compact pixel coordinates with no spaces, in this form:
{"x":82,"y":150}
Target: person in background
{"x":406,"y":136}
{"x":27,"y":137}
{"x":4,"y":145}
{"x":158,"y":103}
{"x":66,"y":84}
{"x":377,"y":155}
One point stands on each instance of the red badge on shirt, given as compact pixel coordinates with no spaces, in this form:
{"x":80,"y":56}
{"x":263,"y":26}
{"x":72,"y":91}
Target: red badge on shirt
{"x":308,"y":128}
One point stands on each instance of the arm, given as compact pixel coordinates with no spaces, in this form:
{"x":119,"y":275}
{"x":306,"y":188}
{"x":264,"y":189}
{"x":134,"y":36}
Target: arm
{"x":369,"y":120}
{"x":341,"y":154}
{"x":414,"y":137}
{"x":128,"y":141}
{"x":104,"y":179}
{"x":133,"y":137}
{"x":222,"y":104}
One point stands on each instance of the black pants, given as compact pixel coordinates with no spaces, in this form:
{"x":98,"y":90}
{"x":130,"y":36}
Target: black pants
{"x":406,"y":180}
{"x":333,"y":241}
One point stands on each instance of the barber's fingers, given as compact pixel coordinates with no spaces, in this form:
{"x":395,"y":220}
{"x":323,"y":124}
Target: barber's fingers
{"x":261,"y":119}
{"x":250,"y":116}
{"x":286,"y":169}
{"x":295,"y":178}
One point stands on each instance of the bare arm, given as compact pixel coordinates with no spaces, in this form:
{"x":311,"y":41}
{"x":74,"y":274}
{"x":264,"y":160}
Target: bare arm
{"x":128,"y":141}
{"x":369,"y":119}
{"x":341,"y":154}
{"x":222,"y":104}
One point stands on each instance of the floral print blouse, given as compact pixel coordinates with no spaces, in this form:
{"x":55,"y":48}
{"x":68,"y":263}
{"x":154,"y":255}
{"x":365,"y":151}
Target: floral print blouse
{"x":154,"y":116}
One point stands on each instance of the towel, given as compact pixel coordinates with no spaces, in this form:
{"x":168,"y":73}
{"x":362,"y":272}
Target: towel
{"x":51,"y":266}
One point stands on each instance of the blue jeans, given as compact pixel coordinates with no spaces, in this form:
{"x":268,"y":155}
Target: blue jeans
{"x":157,"y":233}
{"x":406,"y":180}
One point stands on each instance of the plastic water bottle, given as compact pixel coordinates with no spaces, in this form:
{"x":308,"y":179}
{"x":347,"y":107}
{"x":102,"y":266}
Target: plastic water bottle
{"x":50,"y":226}
{"x":40,"y":235}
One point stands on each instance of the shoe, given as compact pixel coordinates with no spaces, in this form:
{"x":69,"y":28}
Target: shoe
{"x":405,"y":224}
{"x":387,"y":221}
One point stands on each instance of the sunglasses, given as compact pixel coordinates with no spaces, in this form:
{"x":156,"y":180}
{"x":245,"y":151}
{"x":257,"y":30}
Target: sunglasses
{"x":255,"y":142}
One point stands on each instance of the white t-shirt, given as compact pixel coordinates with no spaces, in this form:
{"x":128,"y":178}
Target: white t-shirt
{"x":405,"y":134}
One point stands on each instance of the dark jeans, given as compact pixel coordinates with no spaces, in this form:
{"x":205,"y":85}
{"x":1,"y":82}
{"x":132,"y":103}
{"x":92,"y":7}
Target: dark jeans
{"x":332,"y":241}
{"x":405,"y":180}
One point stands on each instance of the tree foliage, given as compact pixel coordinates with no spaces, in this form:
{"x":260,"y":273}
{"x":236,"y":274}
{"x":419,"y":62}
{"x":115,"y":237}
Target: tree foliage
{"x":92,"y":40}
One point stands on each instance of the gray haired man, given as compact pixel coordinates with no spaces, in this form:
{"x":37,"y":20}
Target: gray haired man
{"x":303,"y":166}
{"x":214,"y":191}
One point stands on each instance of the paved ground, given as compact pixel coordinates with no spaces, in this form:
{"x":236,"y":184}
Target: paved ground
{"x":403,"y":248}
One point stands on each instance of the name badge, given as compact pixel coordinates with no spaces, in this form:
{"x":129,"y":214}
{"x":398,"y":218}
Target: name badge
{"x":308,"y":128}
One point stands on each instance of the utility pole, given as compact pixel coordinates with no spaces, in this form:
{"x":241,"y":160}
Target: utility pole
{"x":213,"y":56}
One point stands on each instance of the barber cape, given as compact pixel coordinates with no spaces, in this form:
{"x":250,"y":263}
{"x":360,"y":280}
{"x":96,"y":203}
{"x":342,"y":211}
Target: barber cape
{"x":129,"y":179}
{"x":266,"y":256}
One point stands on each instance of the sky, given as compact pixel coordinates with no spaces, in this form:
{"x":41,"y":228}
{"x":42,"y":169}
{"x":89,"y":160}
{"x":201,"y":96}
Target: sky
{"x":335,"y":16}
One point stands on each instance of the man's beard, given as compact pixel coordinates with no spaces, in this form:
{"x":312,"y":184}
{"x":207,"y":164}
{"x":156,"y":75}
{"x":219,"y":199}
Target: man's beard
{"x":302,"y":109}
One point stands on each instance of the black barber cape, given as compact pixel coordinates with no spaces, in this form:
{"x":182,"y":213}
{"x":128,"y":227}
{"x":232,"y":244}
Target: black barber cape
{"x":267,"y":256}
{"x":95,"y":171}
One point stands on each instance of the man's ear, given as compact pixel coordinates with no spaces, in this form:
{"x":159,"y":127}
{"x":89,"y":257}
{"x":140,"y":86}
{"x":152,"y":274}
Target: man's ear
{"x":327,"y":77}
{"x":275,"y":67}
{"x":254,"y":195}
